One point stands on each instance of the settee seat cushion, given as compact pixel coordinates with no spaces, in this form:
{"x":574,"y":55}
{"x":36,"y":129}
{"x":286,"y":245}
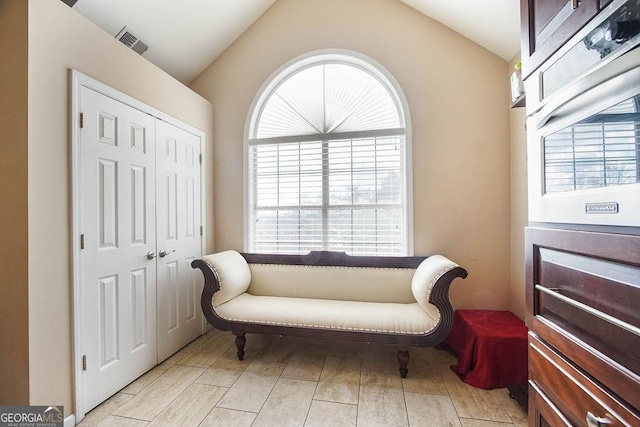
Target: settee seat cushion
{"x":396,"y":318}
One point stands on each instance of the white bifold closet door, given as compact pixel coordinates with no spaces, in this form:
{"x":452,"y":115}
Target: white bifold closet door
{"x":140,"y":219}
{"x":178,"y":237}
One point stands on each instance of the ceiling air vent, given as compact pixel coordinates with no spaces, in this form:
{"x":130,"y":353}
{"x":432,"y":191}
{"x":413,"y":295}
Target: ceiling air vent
{"x":131,"y":40}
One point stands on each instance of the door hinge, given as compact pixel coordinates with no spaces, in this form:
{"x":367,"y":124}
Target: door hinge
{"x":200,"y":158}
{"x":84,"y":363}
{"x":201,"y":230}
{"x":82,"y":241}
{"x":81,"y":120}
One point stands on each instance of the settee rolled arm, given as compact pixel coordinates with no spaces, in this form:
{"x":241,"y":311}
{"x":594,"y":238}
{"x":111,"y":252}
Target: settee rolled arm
{"x":211,"y":286}
{"x":226,"y":275}
{"x":430,"y":285}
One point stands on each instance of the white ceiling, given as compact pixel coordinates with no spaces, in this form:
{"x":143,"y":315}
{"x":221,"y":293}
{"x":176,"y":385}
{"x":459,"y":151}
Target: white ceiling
{"x":187,"y":35}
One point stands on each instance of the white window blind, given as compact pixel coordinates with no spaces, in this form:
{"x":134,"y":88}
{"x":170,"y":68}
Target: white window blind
{"x":327,"y":165}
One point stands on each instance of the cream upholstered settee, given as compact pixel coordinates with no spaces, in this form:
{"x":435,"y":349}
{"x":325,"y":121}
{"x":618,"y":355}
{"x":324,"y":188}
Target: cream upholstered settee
{"x":401,"y":301}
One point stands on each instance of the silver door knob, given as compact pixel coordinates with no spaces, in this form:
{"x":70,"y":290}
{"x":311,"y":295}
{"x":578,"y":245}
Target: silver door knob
{"x":150,"y":255}
{"x":164,"y":253}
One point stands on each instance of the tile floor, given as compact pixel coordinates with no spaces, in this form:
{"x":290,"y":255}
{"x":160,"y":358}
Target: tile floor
{"x":286,"y":381}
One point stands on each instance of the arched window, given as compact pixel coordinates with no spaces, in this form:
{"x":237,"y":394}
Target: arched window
{"x":328,"y":160}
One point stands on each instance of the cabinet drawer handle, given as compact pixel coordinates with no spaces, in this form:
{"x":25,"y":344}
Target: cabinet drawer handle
{"x":592,"y":311}
{"x":593,"y":421}
{"x":575,"y":3}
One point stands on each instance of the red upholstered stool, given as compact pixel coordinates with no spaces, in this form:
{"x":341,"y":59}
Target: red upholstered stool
{"x":491,"y":347}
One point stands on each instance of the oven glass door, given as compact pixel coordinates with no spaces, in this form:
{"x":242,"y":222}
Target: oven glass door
{"x":584,"y":153}
{"x":602,"y":150}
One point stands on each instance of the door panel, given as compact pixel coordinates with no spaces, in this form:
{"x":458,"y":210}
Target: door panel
{"x":179,"y":221}
{"x":117,"y":219}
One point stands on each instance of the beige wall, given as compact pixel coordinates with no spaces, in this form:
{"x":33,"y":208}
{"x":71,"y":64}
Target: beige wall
{"x":61,"y":39}
{"x":14,"y":311}
{"x":458,"y":97}
{"x":519,"y":217}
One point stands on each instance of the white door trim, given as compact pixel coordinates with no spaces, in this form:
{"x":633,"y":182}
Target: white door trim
{"x":77,"y":81}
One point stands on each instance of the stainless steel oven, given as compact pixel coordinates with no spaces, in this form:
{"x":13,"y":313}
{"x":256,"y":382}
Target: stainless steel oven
{"x":583,"y":125}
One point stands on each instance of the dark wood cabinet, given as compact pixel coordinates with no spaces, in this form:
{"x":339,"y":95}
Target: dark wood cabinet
{"x":583,"y":289}
{"x":548,"y":24}
{"x":582,"y":280}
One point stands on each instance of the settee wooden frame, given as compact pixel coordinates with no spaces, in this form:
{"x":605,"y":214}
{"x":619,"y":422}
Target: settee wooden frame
{"x":439,"y":297}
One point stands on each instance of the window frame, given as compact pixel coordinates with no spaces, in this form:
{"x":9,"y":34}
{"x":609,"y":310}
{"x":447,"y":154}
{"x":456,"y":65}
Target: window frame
{"x":311,"y":59}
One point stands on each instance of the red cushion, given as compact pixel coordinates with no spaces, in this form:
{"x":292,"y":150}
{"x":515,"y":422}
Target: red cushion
{"x":491,"y":347}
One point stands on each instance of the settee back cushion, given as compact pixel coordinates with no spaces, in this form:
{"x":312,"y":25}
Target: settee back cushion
{"x":332,"y":283}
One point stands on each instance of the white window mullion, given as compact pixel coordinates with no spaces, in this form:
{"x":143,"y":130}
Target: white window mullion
{"x":325,"y":195}
{"x":299,"y":197}
{"x":351,"y":181}
{"x":375,"y":160}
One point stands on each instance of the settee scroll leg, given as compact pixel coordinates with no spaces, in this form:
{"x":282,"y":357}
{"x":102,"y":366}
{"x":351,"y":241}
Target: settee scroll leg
{"x":241,"y":340}
{"x":403,"y":361}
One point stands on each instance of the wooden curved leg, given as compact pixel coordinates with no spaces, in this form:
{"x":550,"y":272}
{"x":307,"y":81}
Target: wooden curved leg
{"x":241,"y":340}
{"x":403,"y":361}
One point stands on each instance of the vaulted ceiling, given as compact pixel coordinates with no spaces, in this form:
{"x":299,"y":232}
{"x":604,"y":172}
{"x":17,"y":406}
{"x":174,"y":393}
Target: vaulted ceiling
{"x":187,"y":35}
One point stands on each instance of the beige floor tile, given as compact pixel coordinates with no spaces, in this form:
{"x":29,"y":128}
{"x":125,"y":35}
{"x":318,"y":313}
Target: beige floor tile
{"x":517,"y":415}
{"x":308,"y":360}
{"x":340,"y":380}
{"x":313,"y":346}
{"x":304,"y":366}
{"x":175,"y":358}
{"x":468,"y":422}
{"x":476,"y":403}
{"x":149,"y":377}
{"x":430,"y":410}
{"x":424,"y":381}
{"x":382,"y":380}
{"x":113,"y":421}
{"x":381,"y":401}
{"x":147,"y":404}
{"x":191,"y":407}
{"x":477,"y":406}
{"x":351,"y":384}
{"x":331,"y":414}
{"x":380,"y":358}
{"x":279,"y":350}
{"x":252,"y":388}
{"x":220,"y":417}
{"x":226,"y":370}
{"x":206,"y":354}
{"x":257,"y":342}
{"x":346,"y":348}
{"x":287,"y":405}
{"x":100,"y":412}
{"x":425,"y":375}
{"x":142,"y":382}
{"x":193,"y":345}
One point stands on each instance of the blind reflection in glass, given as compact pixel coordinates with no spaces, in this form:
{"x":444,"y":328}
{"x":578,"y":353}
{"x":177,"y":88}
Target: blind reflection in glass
{"x":600,"y":151}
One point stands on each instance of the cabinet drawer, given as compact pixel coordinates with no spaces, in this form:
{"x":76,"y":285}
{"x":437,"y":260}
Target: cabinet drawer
{"x":542,"y":412}
{"x":582,"y":294}
{"x":573,"y":394}
{"x":594,"y":300}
